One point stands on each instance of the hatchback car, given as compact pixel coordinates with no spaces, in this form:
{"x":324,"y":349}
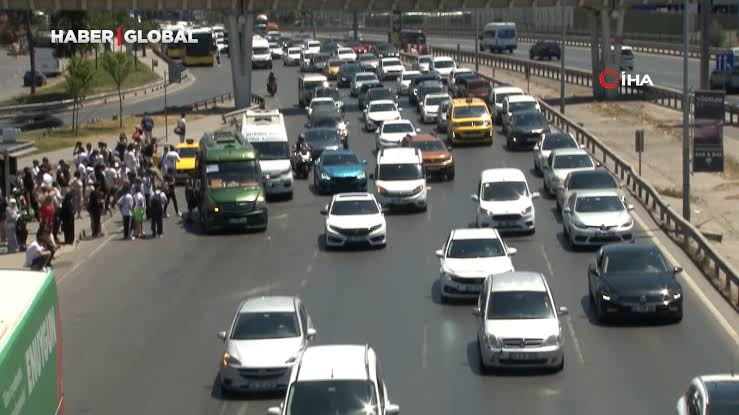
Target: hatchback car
{"x":354,"y":218}
{"x":339,"y":171}
{"x":562,"y":162}
{"x":549,"y":142}
{"x":596,"y":217}
{"x":263,"y":342}
{"x":579,"y":180}
{"x":524,"y":129}
{"x":437,"y":158}
{"x":391,"y":133}
{"x":504,"y":201}
{"x":518,"y":323}
{"x":378,"y":112}
{"x":467,"y":257}
{"x":545,"y":49}
{"x":709,"y":395}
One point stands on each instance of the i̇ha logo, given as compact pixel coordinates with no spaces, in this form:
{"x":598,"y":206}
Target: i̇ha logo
{"x":128,"y":36}
{"x":610,"y":79}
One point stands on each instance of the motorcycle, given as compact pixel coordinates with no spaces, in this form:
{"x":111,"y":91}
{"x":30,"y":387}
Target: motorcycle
{"x":272,"y":87}
{"x":302,"y":162}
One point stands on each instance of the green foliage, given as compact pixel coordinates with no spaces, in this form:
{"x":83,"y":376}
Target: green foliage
{"x":79,"y":76}
{"x":118,"y":65}
{"x":70,"y":20}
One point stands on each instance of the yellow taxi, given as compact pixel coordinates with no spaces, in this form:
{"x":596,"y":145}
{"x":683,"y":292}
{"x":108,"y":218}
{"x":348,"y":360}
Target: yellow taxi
{"x":469,"y":121}
{"x":332,"y":68}
{"x":185,"y":167}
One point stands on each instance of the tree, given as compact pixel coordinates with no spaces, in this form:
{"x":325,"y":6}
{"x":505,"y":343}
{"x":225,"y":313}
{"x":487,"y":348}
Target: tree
{"x":79,"y":81}
{"x":70,"y":20}
{"x":118,"y":65}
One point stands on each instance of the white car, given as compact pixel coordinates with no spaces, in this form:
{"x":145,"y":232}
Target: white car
{"x":518,"y":323}
{"x":337,"y":379}
{"x":596,"y":217}
{"x":560,"y":163}
{"x":517,"y":103}
{"x":400,"y":178}
{"x":708,"y":393}
{"x":275,"y":49}
{"x":378,"y":112}
{"x":423,"y":63}
{"x":498,"y":95}
{"x":305,"y":59}
{"x":443,"y":65}
{"x":359,"y":79}
{"x":368,"y":61}
{"x":451,"y":78}
{"x":314,"y":46}
{"x":392,"y":133}
{"x":322,"y":102}
{"x":430,"y":106}
{"x":346,"y":54}
{"x":265,"y":338}
{"x":404,"y":81}
{"x":548,"y":143}
{"x":467,"y":257}
{"x":389,"y":68}
{"x":504,"y":201}
{"x":292,"y":56}
{"x":354,"y":218}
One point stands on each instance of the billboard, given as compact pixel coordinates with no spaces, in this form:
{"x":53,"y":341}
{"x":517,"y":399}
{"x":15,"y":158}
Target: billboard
{"x":708,"y":131}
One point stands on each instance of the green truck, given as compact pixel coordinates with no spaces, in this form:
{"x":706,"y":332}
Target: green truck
{"x":229,"y":185}
{"x":30,"y":344}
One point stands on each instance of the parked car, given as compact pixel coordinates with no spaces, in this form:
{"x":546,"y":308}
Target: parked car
{"x":28,"y":78}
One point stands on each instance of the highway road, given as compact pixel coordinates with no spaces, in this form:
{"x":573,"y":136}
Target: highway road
{"x":140,"y":317}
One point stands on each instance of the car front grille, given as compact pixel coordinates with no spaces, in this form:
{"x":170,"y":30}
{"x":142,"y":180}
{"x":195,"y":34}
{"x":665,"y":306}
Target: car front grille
{"x":263,"y":373}
{"x":520,"y":342}
{"x":472,"y":281}
{"x":470,"y":124}
{"x":353,"y":232}
{"x":511,"y":217}
{"x":649,"y":298}
{"x":236,"y":207}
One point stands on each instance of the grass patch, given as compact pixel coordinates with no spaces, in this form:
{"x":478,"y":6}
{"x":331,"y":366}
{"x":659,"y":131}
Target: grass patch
{"x":674,"y":192}
{"x":101,"y":83}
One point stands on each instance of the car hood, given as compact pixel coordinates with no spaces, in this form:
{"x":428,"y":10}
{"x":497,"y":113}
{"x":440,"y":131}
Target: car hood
{"x":443,"y":71}
{"x":400,"y":185}
{"x":355,"y":221}
{"x":343,"y":171}
{"x":430,"y":108}
{"x":476,"y":267}
{"x":523,"y":328}
{"x":394,"y":67}
{"x":562,"y":173}
{"x":393,"y":136}
{"x":506,"y":207}
{"x":265,"y":352}
{"x":383,"y":116}
{"x":603,"y":218}
{"x":234,"y":194}
{"x":274,"y":167}
{"x":423,"y":65}
{"x":185,"y":163}
{"x":637,"y":283}
{"x":532,"y":128}
{"x":434,"y":155}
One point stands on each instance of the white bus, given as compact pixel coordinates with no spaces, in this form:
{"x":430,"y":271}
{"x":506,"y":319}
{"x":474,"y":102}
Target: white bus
{"x":499,"y":36}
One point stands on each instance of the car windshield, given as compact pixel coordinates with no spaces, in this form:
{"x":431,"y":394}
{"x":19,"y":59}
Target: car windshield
{"x":429,"y":145}
{"x":293,"y":51}
{"x":521,"y":106}
{"x":334,"y":64}
{"x":328,"y":93}
{"x":187,"y":152}
{"x":400,"y":171}
{"x":320,"y":58}
{"x":724,"y":396}
{"x":397,"y":128}
{"x":592,"y":180}
{"x":354,"y":207}
{"x":478,"y":85}
{"x":243,"y":173}
{"x":272,"y":150}
{"x":339,"y":159}
{"x":470,"y":111}
{"x":308,"y":85}
{"x":391,"y":62}
{"x":334,"y":397}
{"x":502,"y":96}
{"x":350,"y":69}
{"x":322,"y":136}
{"x":380,"y":93}
{"x":385,"y":48}
{"x":475,"y":248}
{"x":590,"y":204}
{"x":365,"y":77}
{"x":529,"y":119}
{"x":382,"y":107}
{"x":554,"y":141}
{"x":326,"y":123}
{"x":325,"y":113}
{"x":267,"y":325}
{"x":367,"y":57}
{"x":642,"y":261}
{"x":503,"y":191}
{"x":274,"y":45}
{"x":507,"y":33}
{"x":444,"y":64}
{"x":519,"y":305}
{"x":321,"y":103}
{"x":260,"y":51}
{"x":436,"y":100}
{"x":572,"y":161}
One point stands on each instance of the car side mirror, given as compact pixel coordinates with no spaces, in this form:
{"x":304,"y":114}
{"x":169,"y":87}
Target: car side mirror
{"x":677,"y":270}
{"x":512,"y":251}
{"x":418,"y":130}
{"x":400,"y":109}
{"x":311,"y":333}
{"x":372,"y":176}
{"x":582,"y":145}
{"x":222,"y":335}
{"x":562,"y":311}
{"x":324,"y":210}
{"x":364,"y":161}
{"x":392,"y":409}
{"x":535,"y":195}
{"x":439,"y":253}
{"x":598,"y":164}
{"x":593,"y":269}
{"x":629,"y":207}
{"x":566,"y":209}
{"x":474,"y":198}
{"x":476,"y":312}
{"x":274,"y":410}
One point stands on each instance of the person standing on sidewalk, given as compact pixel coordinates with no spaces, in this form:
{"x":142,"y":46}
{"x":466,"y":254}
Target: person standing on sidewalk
{"x":147,"y":124}
{"x":120,"y":148}
{"x":181,"y":128}
{"x":95,"y":207}
{"x":169,"y":160}
{"x":76,"y":189}
{"x":67,"y":216}
{"x":147,"y":188}
{"x":125,"y":204}
{"x":56,"y":200}
{"x":156,"y":209}
{"x":111,"y":183}
{"x":12,"y":215}
{"x":139,"y":204}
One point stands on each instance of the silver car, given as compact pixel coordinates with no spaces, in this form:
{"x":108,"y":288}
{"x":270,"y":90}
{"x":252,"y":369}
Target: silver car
{"x":441,"y":115}
{"x":597,"y":217}
{"x":423,"y":63}
{"x":361,"y":78}
{"x":548,"y":143}
{"x":266,"y":336}
{"x":404,"y":81}
{"x":562,"y":162}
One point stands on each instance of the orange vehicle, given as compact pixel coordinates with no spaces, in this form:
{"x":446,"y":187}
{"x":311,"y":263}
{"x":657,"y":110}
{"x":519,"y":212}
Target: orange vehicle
{"x":437,"y":159}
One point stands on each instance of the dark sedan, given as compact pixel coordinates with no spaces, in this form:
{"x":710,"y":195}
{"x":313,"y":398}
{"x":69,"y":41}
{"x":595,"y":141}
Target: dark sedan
{"x":416,"y":83}
{"x":386,"y":50}
{"x":545,"y":49}
{"x":427,"y":88}
{"x":28,"y":78}
{"x":364,"y":90}
{"x":634,"y":279}
{"x":459,"y":81}
{"x":35,"y":122}
{"x":525,"y":129}
{"x":330,"y":118}
{"x":346,"y":74}
{"x":322,"y":138}
{"x":375,"y":94}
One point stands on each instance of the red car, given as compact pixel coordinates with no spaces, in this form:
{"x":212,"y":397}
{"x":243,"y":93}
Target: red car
{"x":358,"y":47}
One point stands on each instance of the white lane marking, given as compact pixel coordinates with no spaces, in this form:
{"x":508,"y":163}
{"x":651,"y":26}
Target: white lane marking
{"x":315,"y":254}
{"x":256,"y":290}
{"x":85,"y":259}
{"x":575,"y":340}
{"x":242,"y":410}
{"x":425,"y":347}
{"x":546,"y":260}
{"x":689,"y":279}
{"x":224,"y":406}
{"x":279,"y":217}
{"x":303,"y":283}
{"x":309,"y":268}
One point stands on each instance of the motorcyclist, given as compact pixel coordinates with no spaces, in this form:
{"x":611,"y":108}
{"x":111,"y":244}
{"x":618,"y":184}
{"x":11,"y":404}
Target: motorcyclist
{"x":299,"y":144}
{"x":272,"y":82}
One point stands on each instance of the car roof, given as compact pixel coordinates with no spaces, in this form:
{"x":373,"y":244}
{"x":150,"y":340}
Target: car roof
{"x":423,"y":137}
{"x":436,"y":95}
{"x":518,"y":281}
{"x":343,"y":197}
{"x":520,"y":98}
{"x":442,"y":58}
{"x":392,"y":58}
{"x":475,"y":233}
{"x":502,"y":175}
{"x":595,"y":172}
{"x":569,"y":151}
{"x":365,"y":73}
{"x":504,"y":89}
{"x":400,"y":121}
{"x":597,"y":193}
{"x":468,"y":101}
{"x":629,"y":247}
{"x":313,"y":77}
{"x":335,"y":362}
{"x":321,"y":99}
{"x":268,"y":304}
{"x":399,"y":155}
{"x":382,"y":101}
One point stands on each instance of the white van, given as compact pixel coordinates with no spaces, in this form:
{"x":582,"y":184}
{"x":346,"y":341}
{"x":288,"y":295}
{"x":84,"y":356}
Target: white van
{"x":400,"y":179}
{"x":499,"y":36}
{"x":261,"y":54}
{"x":627,"y":57}
{"x":265,"y":130}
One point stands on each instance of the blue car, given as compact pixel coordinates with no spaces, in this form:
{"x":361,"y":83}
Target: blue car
{"x":339,"y":171}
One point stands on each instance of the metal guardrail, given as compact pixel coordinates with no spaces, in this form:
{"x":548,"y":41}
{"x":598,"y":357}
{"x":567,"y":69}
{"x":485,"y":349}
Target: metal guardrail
{"x":202,"y":104}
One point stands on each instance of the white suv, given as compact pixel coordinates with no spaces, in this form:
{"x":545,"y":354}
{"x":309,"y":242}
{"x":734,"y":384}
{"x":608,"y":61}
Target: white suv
{"x":336,"y":379}
{"x":400,"y":179}
{"x":518,"y":323}
{"x":504,"y":201}
{"x":354,"y":218}
{"x":467,"y":257}
{"x":390,"y":68}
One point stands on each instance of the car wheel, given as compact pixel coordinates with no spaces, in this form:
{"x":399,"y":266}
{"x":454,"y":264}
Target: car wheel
{"x":678,"y":317}
{"x":450,"y":174}
{"x":484,"y":369}
{"x":590,"y":296}
{"x":600,"y":313}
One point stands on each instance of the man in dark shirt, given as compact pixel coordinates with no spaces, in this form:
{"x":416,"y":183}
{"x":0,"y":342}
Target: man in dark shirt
{"x":147,"y":124}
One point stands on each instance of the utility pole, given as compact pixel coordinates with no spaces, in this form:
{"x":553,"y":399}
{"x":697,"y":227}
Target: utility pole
{"x":562,"y":58}
{"x":31,"y":50}
{"x":705,"y":43}
{"x":166,"y":127}
{"x":477,"y":42}
{"x":686,"y":118}
{"x":355,"y":25}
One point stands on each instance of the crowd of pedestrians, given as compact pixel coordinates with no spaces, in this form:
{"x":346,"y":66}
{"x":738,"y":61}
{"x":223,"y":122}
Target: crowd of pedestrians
{"x":131,"y":177}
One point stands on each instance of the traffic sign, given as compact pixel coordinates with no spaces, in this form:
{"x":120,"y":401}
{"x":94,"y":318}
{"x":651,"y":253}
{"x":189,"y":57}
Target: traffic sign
{"x":725,"y":62}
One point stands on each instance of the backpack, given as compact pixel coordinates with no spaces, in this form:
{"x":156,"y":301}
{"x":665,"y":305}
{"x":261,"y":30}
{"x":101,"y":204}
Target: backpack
{"x":155,"y":204}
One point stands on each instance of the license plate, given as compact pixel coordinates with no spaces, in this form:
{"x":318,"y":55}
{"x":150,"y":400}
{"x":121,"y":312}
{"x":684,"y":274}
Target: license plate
{"x":523,"y":356}
{"x":237,"y":221}
{"x":355,"y":239}
{"x":644,"y":308}
{"x":262,"y":385}
{"x":507,"y":223}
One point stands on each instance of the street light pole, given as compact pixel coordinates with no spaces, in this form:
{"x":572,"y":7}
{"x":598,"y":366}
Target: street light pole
{"x":166,"y":127}
{"x":477,"y":44}
{"x":686,"y":118}
{"x":562,"y":59}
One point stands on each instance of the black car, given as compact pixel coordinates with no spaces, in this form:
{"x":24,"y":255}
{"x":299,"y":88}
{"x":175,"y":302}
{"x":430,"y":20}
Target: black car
{"x":634,"y":279}
{"x":386,"y":50}
{"x":330,"y":118}
{"x":28,"y":79}
{"x":545,"y":49}
{"x":346,"y":74}
{"x":374,"y":94}
{"x":319,"y":61}
{"x":322,"y":138}
{"x":365,"y":88}
{"x":525,"y":129}
{"x":454,"y":88}
{"x":35,"y":121}
{"x":413,"y":87}
{"x":429,"y":87}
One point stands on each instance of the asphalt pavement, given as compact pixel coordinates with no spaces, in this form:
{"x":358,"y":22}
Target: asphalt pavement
{"x":140,"y":317}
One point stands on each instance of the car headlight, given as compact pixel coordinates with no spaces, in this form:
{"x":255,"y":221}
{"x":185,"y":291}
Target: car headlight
{"x":606,"y":295}
{"x":553,"y":340}
{"x":492,"y":341}
{"x":418,"y":189}
{"x":361,"y":175}
{"x":261,"y":202}
{"x":375,"y":228}
{"x":628,"y":224}
{"x":325,"y":176}
{"x":229,"y":360}
{"x":380,"y":190}
{"x":486,"y":212}
{"x":527,"y":210}
{"x":486,"y":123}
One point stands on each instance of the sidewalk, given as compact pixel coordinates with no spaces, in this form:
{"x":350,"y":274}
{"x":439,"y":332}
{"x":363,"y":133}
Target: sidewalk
{"x":714,"y":196}
{"x":196,"y":129}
